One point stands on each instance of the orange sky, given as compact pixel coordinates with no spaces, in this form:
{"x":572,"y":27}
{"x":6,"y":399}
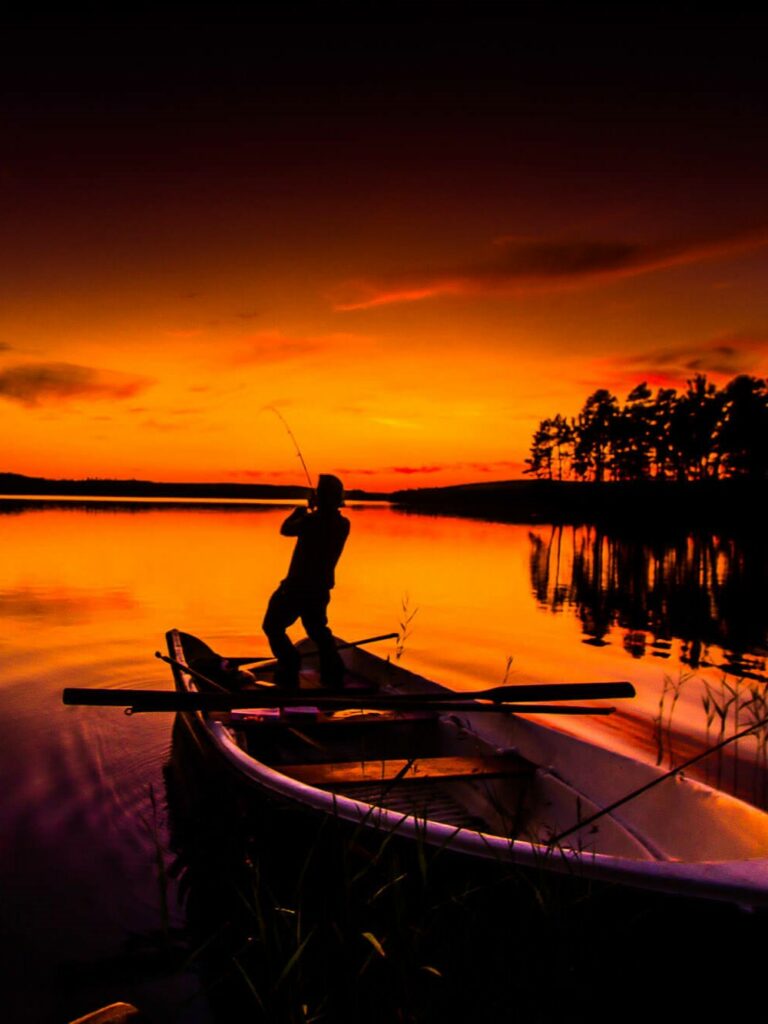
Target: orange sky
{"x":414,"y":237}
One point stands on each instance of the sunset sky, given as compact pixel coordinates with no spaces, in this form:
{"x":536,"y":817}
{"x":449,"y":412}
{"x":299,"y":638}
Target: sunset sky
{"x":415,"y":236}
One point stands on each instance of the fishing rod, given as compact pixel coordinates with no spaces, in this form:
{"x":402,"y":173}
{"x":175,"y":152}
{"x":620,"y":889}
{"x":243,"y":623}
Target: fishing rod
{"x":292,"y":436}
{"x":236,"y":662}
{"x":655,"y":782}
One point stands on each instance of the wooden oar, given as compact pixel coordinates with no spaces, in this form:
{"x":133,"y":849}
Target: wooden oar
{"x":525,"y":692}
{"x":499,"y":694}
{"x":237,"y":662}
{"x":173,"y":700}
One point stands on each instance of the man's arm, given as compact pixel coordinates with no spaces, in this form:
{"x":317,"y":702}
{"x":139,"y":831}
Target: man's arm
{"x":293,"y":525}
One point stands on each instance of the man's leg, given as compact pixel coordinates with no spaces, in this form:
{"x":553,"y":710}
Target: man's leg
{"x":282,"y":611}
{"x":314,"y":618}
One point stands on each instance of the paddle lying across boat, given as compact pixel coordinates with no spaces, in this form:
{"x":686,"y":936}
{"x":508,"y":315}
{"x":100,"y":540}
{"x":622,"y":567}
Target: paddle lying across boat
{"x":475,"y":778}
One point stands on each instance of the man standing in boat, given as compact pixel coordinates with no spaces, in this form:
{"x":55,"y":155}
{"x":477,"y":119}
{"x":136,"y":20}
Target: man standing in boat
{"x":321,"y":532}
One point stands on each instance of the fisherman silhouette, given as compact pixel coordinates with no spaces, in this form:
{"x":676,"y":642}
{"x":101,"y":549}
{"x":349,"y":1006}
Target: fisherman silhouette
{"x":321,"y":532}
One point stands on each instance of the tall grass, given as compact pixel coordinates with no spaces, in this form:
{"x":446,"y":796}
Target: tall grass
{"x":405,"y":625}
{"x":668,"y":698}
{"x":729,"y":706}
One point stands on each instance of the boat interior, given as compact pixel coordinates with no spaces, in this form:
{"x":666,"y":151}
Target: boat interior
{"x":408,"y":762}
{"x":420,"y":763}
{"x":428,"y":765}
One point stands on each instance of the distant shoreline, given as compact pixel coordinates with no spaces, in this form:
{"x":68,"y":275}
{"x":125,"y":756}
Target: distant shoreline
{"x":648,"y":503}
{"x":14,"y":485}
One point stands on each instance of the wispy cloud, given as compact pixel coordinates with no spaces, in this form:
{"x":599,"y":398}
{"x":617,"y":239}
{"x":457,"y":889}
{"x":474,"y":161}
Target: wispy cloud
{"x":397,"y":422}
{"x":163,"y":426}
{"x":495,"y":466}
{"x":274,"y":346}
{"x":291,"y":476}
{"x":184,"y":333}
{"x":506,"y":466}
{"x":33,"y":384}
{"x":523,"y":265}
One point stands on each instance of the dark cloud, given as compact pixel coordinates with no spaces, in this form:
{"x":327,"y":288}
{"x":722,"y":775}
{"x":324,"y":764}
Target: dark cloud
{"x":35,"y":384}
{"x":525,"y":265}
{"x":533,"y":259}
{"x":708,"y":364}
{"x":717,"y":358}
{"x":670,"y":366}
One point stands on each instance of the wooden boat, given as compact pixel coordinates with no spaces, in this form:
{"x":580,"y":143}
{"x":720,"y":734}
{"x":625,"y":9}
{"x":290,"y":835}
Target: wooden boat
{"x":490,"y":785}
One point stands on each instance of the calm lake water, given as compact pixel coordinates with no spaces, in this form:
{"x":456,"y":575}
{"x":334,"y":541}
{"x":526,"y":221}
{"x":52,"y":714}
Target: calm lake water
{"x":88,"y":591}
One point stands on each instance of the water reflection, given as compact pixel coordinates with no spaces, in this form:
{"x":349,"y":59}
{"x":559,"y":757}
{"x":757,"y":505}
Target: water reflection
{"x":64,"y":605}
{"x":704,"y":590}
{"x":86,"y":595}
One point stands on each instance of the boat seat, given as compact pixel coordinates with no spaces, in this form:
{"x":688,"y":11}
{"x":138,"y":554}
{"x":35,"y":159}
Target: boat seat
{"x":345,"y":719}
{"x":342,"y":773}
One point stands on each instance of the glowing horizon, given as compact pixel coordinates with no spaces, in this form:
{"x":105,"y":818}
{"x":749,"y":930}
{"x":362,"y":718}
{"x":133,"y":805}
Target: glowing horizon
{"x":414,"y":276}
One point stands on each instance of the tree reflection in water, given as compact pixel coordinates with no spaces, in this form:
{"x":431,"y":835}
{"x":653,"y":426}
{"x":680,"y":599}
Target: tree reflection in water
{"x":697,"y":598}
{"x":701,"y":589}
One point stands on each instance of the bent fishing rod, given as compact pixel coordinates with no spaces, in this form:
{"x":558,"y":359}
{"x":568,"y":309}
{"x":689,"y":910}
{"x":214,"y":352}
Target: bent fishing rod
{"x":271,"y":408}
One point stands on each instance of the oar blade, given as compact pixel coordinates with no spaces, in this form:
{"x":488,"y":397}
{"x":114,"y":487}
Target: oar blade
{"x":560,"y":691}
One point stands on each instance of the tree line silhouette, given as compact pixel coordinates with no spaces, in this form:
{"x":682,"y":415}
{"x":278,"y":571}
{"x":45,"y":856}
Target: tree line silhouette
{"x":705,"y":433}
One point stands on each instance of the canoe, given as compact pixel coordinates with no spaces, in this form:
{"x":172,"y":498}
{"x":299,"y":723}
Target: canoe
{"x":480,"y":783}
